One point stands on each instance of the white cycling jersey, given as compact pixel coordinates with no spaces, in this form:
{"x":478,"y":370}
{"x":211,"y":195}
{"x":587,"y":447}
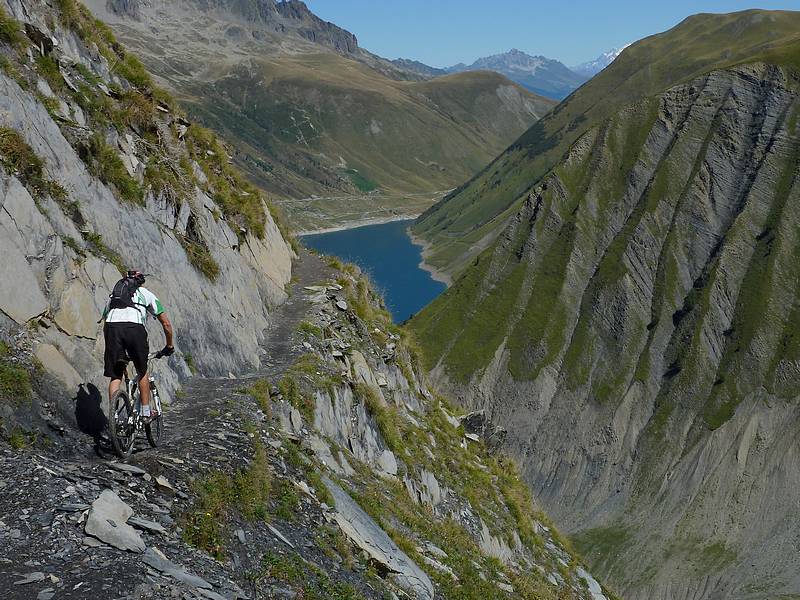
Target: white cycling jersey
{"x":145,"y":301}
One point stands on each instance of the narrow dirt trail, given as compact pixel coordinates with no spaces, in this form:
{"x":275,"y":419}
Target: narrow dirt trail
{"x":188,"y":417}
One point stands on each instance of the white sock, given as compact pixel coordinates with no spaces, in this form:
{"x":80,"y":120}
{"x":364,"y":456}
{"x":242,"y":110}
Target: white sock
{"x":145,"y":410}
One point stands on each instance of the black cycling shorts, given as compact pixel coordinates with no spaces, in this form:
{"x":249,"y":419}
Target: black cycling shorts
{"x":122,"y":338}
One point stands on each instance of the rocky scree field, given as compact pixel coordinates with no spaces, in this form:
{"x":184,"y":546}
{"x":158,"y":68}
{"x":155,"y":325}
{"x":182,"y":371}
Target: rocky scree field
{"x":631,"y":325}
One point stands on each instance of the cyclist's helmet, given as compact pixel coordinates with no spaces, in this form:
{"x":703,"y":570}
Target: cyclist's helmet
{"x":137,"y":276}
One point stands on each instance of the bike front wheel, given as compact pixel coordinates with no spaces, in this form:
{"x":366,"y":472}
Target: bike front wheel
{"x":155,"y":428}
{"x":122,"y":424}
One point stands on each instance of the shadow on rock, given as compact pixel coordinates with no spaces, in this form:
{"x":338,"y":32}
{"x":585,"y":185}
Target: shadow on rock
{"x":89,"y":413}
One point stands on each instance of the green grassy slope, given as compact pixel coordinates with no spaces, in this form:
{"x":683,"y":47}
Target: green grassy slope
{"x":699,"y":44}
{"x":308,"y":121}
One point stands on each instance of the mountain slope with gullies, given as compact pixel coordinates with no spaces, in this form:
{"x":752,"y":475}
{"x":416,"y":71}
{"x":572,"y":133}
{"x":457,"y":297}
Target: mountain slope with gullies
{"x":312,"y":115}
{"x":633,"y":321}
{"x":468,"y":219}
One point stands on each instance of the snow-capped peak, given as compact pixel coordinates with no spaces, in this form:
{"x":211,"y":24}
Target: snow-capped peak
{"x":591,"y":68}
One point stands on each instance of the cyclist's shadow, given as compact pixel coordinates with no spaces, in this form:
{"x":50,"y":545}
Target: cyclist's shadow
{"x":90,"y":417}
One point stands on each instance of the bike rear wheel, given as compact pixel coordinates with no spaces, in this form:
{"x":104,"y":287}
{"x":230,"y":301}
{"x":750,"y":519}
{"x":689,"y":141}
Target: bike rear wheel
{"x":122,"y":424}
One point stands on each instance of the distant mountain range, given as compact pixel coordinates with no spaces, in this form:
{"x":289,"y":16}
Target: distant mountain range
{"x":539,"y":74}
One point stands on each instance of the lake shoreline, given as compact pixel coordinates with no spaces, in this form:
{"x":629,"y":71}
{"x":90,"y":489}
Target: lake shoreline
{"x":435,"y":273}
{"x":356,"y":224}
{"x":387,"y":254}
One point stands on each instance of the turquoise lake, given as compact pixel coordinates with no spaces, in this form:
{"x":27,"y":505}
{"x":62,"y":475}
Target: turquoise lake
{"x":386,"y":253}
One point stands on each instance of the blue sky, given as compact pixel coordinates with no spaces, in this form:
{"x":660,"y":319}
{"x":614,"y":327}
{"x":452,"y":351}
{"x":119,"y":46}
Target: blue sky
{"x":444,"y":32}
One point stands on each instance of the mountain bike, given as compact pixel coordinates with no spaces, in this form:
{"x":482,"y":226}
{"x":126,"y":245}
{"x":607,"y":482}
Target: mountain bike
{"x":124,"y":416}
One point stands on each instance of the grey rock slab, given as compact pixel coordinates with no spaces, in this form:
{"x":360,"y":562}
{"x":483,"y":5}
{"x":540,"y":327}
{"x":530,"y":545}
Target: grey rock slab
{"x":211,"y":594}
{"x":440,"y":567}
{"x":108,"y":522}
{"x":594,"y":587}
{"x":163,"y":484}
{"x":35,"y":577}
{"x":362,"y":530}
{"x":126,"y":468}
{"x":46,"y":594}
{"x":506,"y":587}
{"x":146,"y":525}
{"x":387,"y":462}
{"x":92,"y":542}
{"x":280,"y":536}
{"x":156,"y":559}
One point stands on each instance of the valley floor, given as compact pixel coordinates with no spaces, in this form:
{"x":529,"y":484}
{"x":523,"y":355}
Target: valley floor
{"x":319,"y":214}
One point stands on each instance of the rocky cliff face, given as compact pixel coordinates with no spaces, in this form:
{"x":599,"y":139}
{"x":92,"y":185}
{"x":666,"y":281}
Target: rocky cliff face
{"x":99,"y":175}
{"x":270,"y":17}
{"x":632,"y":327}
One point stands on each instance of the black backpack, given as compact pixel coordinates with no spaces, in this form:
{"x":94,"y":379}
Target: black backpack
{"x":122,"y":294}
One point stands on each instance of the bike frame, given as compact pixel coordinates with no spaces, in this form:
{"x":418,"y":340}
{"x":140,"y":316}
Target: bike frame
{"x":132,"y":386}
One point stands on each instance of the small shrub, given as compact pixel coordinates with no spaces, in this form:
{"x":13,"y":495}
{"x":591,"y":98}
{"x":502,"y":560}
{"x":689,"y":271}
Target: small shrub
{"x":287,"y":501}
{"x":15,"y":383}
{"x":70,"y":13}
{"x":218,"y":494}
{"x":292,"y":392}
{"x":189,"y":360}
{"x":204,"y":527}
{"x":239,"y":200}
{"x":320,"y":489}
{"x":13,"y":72}
{"x":309,"y":329}
{"x":310,"y":582}
{"x":133,"y":70}
{"x":137,"y":110}
{"x":386,"y":417}
{"x":73,"y":244}
{"x":87,"y":73}
{"x":19,"y":439}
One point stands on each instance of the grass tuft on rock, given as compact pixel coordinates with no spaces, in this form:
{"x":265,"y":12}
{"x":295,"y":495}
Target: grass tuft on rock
{"x":219,"y":495}
{"x":19,"y":159}
{"x":15,"y":380}
{"x":200,"y":257}
{"x":11,"y":31}
{"x":105,"y":163}
{"x":260,"y":391}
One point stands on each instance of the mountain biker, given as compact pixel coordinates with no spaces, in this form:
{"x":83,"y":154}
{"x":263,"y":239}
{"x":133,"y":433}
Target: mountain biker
{"x":124,"y":331}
